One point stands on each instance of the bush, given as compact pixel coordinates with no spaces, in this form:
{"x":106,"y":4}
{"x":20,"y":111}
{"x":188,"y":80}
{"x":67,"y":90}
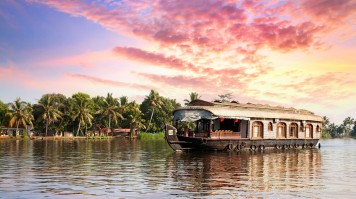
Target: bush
{"x":325,"y":135}
{"x":151,"y":136}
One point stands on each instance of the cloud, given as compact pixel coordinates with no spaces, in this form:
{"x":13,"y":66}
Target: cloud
{"x":98,"y":80}
{"x":85,"y":60}
{"x":153,"y":58}
{"x":7,"y":71}
{"x":211,"y":26}
{"x":330,"y":11}
{"x":325,"y":88}
{"x":222,"y":46}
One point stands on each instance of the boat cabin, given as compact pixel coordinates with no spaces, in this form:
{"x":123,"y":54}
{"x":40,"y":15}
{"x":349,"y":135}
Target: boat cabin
{"x":217,"y":120}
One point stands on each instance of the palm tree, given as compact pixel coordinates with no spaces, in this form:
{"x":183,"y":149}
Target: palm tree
{"x":225,"y":97}
{"x":135,"y":117}
{"x":49,"y":110}
{"x":124,"y":100}
{"x":347,"y":123}
{"x":155,"y":101}
{"x":81,"y":110}
{"x":4,"y":108}
{"x":110,"y":108}
{"x":20,"y":113}
{"x":193,"y":96}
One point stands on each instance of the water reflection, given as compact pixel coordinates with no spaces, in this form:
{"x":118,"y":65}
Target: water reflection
{"x":245,"y":173}
{"x":121,"y":168}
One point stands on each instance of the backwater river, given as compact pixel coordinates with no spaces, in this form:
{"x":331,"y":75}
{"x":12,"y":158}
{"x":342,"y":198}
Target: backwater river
{"x":120,"y":168}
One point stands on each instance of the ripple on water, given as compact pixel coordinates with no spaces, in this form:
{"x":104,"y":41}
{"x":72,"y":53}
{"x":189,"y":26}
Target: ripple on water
{"x":119,"y":168}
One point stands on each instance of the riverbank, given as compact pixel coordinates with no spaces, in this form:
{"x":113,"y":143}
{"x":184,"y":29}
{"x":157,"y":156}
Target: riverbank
{"x":141,"y":136}
{"x":53,"y":137}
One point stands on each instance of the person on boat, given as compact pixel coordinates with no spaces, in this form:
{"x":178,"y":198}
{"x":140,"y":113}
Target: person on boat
{"x":186,"y":131}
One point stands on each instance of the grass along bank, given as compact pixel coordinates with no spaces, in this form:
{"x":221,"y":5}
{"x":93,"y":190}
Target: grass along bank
{"x":151,"y":136}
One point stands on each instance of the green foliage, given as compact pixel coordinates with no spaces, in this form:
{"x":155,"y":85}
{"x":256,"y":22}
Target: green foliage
{"x":151,"y":136}
{"x":347,"y":128}
{"x":24,"y":134}
{"x":110,"y":109}
{"x":80,"y":113}
{"x":162,"y":113}
{"x":81,"y":110}
{"x":20,"y":114}
{"x":48,"y":109}
{"x":193,"y":96}
{"x":325,"y":134}
{"x":3,"y":110}
{"x":133,"y":116}
{"x":225,"y":97}
{"x":98,"y":137}
{"x":353,"y":132}
{"x":154,"y":102}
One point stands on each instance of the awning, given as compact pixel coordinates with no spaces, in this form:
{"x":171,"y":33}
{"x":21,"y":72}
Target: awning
{"x":194,"y":115}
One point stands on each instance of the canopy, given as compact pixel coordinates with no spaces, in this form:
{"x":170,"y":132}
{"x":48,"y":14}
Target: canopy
{"x":189,"y":115}
{"x":192,"y":115}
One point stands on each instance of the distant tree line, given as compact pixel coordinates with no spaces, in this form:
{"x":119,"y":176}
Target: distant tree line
{"x":346,"y":129}
{"x":82,"y":113}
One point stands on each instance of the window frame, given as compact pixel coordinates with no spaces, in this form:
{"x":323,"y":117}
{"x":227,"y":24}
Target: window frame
{"x":283,"y":126}
{"x":259,"y":133}
{"x":295,"y":133}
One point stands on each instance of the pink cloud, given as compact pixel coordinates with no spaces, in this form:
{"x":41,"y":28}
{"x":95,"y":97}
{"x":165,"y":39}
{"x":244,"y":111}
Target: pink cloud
{"x":103,"y":81}
{"x":218,"y":41}
{"x":210,"y":26}
{"x":322,"y":88}
{"x":7,"y":71}
{"x":205,"y":84}
{"x":197,"y":36}
{"x":154,"y":58}
{"x":330,"y":11}
{"x":178,"y":64}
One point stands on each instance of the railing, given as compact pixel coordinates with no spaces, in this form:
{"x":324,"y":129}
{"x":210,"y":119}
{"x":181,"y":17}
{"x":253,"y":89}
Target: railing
{"x":225,"y":134}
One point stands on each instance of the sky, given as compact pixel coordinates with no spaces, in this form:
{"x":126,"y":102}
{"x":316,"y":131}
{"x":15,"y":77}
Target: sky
{"x":288,"y":53}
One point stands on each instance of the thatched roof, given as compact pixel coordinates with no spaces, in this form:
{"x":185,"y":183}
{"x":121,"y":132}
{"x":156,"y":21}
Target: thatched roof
{"x":235,"y":109}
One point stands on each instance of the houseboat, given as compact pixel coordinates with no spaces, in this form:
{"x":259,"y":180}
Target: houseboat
{"x":232,"y":125}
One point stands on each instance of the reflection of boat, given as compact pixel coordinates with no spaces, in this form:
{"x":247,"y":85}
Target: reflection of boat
{"x":234,"y":126}
{"x":246,"y":174}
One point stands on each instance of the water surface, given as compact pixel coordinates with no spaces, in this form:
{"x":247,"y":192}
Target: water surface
{"x":120,"y":168}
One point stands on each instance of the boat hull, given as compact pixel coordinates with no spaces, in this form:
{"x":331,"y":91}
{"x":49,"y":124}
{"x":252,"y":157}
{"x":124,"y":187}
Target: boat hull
{"x":179,"y":142}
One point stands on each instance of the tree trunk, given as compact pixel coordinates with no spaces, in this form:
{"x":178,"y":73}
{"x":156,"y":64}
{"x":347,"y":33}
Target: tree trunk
{"x":109,"y":127}
{"x":149,"y":124}
{"x":46,"y":127}
{"x":132,"y":128}
{"x":17,"y":127}
{"x":78,"y":129}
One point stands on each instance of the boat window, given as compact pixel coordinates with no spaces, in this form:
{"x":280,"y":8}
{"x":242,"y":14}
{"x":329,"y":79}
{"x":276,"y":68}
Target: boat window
{"x":281,"y":130}
{"x":270,"y":126}
{"x":227,"y":124}
{"x":257,"y":130}
{"x":203,"y":126}
{"x":293,"y":130}
{"x":230,"y":124}
{"x":309,"y":131}
{"x":318,"y":129}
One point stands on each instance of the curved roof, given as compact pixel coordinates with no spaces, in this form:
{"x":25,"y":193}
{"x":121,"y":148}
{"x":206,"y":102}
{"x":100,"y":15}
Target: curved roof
{"x":235,"y":109}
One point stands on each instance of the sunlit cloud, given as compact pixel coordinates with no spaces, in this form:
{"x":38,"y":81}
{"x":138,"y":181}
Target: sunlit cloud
{"x":281,"y":51}
{"x":113,"y":83}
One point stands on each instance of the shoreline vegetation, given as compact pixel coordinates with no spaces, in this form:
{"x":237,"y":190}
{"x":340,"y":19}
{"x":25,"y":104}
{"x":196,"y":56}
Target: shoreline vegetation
{"x":81,"y":116}
{"x":141,"y":136}
{"x":58,"y":116}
